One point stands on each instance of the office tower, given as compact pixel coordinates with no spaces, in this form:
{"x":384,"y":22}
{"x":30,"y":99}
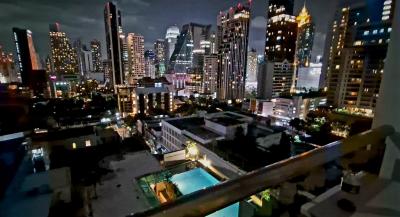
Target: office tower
{"x":28,"y":60}
{"x":136,"y":63}
{"x":64,"y":58}
{"x":281,"y":31}
{"x":192,"y":44}
{"x":84,"y":57}
{"x":213,"y":43}
{"x":87,"y":60}
{"x":356,"y":59}
{"x":149,"y":66}
{"x":252,"y":64}
{"x":113,"y":27}
{"x":161,"y":57}
{"x":210,"y":74}
{"x":95,"y":48}
{"x":233,"y":32}
{"x":171,"y":38}
{"x":305,"y":38}
{"x":277,"y":79}
{"x":278,"y":70}
{"x":7,"y":67}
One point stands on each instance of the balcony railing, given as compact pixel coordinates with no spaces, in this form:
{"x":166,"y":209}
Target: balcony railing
{"x":209,"y":200}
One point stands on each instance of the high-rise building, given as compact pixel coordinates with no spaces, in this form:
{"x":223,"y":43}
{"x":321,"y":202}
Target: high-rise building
{"x":210,"y":74}
{"x":305,"y":38}
{"x":149,"y":66}
{"x":233,"y":31}
{"x":276,"y":80}
{"x":278,"y":70}
{"x":84,"y":57}
{"x":160,"y":50}
{"x":192,"y":44}
{"x":114,"y":39}
{"x":281,"y":31}
{"x":356,"y":59}
{"x":171,"y":38}
{"x":28,"y":60}
{"x":7,"y":67}
{"x":95,"y":48}
{"x":252,"y":64}
{"x":63,"y":56}
{"x":136,"y":62}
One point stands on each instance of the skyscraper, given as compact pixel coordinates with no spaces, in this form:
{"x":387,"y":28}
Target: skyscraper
{"x":160,"y":50}
{"x":210,"y":74}
{"x":252,"y":63}
{"x":136,"y":63}
{"x":149,"y":66}
{"x":192,"y":44}
{"x":305,"y":38}
{"x":28,"y":59}
{"x":277,"y":72}
{"x":114,"y":40}
{"x":95,"y":48}
{"x":356,"y":59}
{"x":171,"y":38}
{"x":281,"y":31}
{"x":233,"y":31}
{"x":63,"y":56}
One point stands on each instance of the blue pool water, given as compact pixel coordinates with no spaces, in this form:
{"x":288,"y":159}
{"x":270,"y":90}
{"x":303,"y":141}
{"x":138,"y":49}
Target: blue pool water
{"x":197,"y":179}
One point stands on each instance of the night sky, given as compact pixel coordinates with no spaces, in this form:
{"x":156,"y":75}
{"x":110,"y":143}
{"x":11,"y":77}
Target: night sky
{"x":84,"y":19}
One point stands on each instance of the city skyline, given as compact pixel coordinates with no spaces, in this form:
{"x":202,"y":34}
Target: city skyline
{"x":136,"y":18}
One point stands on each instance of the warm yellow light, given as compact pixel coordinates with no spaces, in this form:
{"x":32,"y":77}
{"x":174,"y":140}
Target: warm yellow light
{"x":74,"y":145}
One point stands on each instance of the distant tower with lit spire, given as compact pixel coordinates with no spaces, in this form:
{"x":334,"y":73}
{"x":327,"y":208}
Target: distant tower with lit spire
{"x":305,"y":38}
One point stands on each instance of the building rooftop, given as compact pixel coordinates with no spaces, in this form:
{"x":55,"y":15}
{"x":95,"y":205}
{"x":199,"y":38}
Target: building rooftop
{"x":204,"y":133}
{"x":186,"y":123}
{"x":227,"y":121}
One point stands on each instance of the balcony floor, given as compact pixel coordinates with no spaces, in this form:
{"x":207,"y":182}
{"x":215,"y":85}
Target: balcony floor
{"x":377,"y":198}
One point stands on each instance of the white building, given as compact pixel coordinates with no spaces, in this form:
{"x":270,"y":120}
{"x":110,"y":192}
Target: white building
{"x":210,"y":71}
{"x":295,"y":107}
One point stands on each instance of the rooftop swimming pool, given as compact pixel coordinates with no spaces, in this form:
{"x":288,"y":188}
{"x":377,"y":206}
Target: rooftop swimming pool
{"x":198,"y":179}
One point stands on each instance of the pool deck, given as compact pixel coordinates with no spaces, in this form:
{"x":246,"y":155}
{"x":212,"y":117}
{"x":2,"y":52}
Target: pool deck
{"x":126,"y":199}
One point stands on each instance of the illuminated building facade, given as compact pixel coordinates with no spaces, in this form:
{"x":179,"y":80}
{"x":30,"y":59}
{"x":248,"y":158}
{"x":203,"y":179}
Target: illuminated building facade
{"x":308,"y":77}
{"x":305,"y":38}
{"x":95,"y":48}
{"x":171,"y":38}
{"x":160,"y":50}
{"x":192,"y":44}
{"x":64,"y":58}
{"x":150,"y":95}
{"x":7,"y":67}
{"x":114,"y":40}
{"x":210,"y":74}
{"x":136,"y":62}
{"x":278,"y":71}
{"x":281,"y":31}
{"x":252,"y":64}
{"x":233,"y":31}
{"x":28,"y":60}
{"x":356,"y":60}
{"x":149,"y":66}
